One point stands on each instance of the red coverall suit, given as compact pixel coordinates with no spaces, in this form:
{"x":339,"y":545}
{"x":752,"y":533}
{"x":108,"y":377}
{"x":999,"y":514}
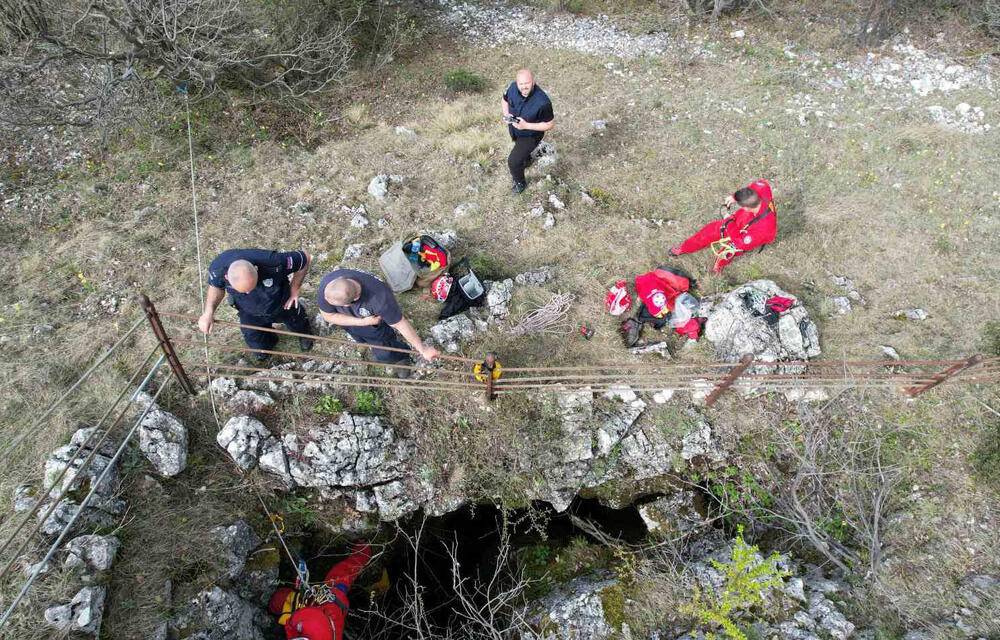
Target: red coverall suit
{"x":321,"y":621}
{"x":745,"y":229}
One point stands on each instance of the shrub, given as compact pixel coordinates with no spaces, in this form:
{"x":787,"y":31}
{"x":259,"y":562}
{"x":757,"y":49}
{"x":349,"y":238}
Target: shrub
{"x":328,"y":406}
{"x":465,"y":81}
{"x":368,"y":403}
{"x":746,"y":580}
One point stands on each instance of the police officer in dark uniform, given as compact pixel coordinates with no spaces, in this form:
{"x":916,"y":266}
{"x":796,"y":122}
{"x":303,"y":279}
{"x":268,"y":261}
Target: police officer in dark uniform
{"x":259,"y":287}
{"x":527,"y":112}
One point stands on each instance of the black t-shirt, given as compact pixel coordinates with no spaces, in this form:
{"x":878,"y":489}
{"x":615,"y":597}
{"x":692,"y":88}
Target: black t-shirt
{"x":376,"y":298}
{"x":273,"y":269}
{"x":535,"y":108}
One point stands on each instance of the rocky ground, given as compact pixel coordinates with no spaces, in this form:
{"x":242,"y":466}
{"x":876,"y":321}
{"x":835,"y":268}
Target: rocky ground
{"x":437,"y":166}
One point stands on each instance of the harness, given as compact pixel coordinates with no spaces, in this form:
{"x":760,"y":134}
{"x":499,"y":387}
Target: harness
{"x":724,"y":248}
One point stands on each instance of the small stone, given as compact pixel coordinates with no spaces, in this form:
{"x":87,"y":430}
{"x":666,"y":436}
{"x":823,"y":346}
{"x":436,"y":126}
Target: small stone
{"x":250,"y":401}
{"x":378,"y":188}
{"x":302,"y":207}
{"x":537,"y":211}
{"x":451,"y":332}
{"x":556,"y":202}
{"x":600,"y":125}
{"x":536,"y":277}
{"x":83,"y":613}
{"x":24,"y":498}
{"x":242,"y":437}
{"x":911,"y":314}
{"x":889,"y":352}
{"x":92,"y":553}
{"x":236,"y":541}
{"x":842,"y":305}
{"x":659,"y":348}
{"x":358,"y":221}
{"x":163,"y":439}
{"x":223,"y":387}
{"x":550,"y":221}
{"x":545,"y":155}
{"x":404,"y":131}
{"x":736,"y":35}
{"x":465,"y":209}
{"x":498,"y":299}
{"x":353,"y":252}
{"x":664,"y":396}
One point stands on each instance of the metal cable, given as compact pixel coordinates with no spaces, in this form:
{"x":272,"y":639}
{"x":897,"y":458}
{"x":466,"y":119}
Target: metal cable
{"x":332,"y":375}
{"x":82,"y":507}
{"x":311,"y":356}
{"x":392,"y":384}
{"x":76,"y":454}
{"x":52,"y":407}
{"x":360,"y":345}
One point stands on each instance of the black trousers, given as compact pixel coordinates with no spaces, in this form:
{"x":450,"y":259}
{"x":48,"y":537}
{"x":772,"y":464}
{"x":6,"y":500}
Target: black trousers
{"x":519,"y":156}
{"x":295,"y":319}
{"x":381,"y":335}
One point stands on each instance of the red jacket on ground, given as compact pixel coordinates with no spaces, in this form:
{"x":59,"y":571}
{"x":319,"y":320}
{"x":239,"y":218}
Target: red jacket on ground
{"x":658,"y":289}
{"x":324,"y":621}
{"x":745,"y":228}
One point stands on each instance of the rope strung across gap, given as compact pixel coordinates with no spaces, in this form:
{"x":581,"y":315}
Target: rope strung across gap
{"x":667,"y":375}
{"x":394,"y":384}
{"x":83,"y":505}
{"x":46,"y":493}
{"x":324,"y":358}
{"x":723,"y":365}
{"x":76,"y":385}
{"x":333,"y":376}
{"x":360,"y":345}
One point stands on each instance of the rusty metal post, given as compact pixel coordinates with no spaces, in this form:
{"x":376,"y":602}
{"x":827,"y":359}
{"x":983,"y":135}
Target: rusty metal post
{"x":165,"y":344}
{"x":943,"y":376}
{"x":733,"y":375}
{"x":490,"y":363}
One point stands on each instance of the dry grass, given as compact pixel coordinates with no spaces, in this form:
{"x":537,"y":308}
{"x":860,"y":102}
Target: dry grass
{"x":927,"y":243}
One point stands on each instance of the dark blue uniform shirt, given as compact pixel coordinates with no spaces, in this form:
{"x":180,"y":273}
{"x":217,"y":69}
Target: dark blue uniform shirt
{"x":535,"y":108}
{"x":273,"y":288}
{"x":376,"y":298}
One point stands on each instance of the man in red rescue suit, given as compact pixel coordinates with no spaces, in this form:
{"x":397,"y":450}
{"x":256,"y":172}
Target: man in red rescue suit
{"x":753,"y":225}
{"x":320,"y":618}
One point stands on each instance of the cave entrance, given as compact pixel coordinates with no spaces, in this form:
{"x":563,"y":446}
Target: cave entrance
{"x":442,"y":569}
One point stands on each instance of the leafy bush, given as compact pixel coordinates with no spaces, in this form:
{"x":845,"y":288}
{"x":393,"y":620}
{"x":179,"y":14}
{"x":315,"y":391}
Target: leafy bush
{"x":746,"y":580}
{"x":328,"y":406}
{"x":601,"y":196}
{"x":465,"y":81}
{"x":368,"y":403}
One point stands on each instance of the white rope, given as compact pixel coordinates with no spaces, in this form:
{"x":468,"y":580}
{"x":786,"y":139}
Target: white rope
{"x":201,"y":291}
{"x":197,"y":247}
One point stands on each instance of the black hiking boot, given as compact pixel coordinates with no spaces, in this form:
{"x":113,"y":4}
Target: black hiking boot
{"x":631,"y":331}
{"x":518,"y":188}
{"x":306,"y":344}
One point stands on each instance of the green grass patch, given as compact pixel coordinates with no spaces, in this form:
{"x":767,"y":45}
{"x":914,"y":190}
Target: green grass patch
{"x":465,"y":81}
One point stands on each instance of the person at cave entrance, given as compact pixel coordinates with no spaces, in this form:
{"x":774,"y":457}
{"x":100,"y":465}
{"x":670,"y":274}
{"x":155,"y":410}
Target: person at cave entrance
{"x":321,"y":615}
{"x":751,"y":226}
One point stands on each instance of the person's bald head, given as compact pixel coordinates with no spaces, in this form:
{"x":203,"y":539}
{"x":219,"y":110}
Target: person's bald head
{"x":342,"y":292}
{"x":525,"y":81}
{"x":242,"y":276}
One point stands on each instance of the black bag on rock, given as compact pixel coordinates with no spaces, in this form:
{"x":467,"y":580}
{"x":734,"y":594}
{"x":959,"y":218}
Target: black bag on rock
{"x":466,"y":291}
